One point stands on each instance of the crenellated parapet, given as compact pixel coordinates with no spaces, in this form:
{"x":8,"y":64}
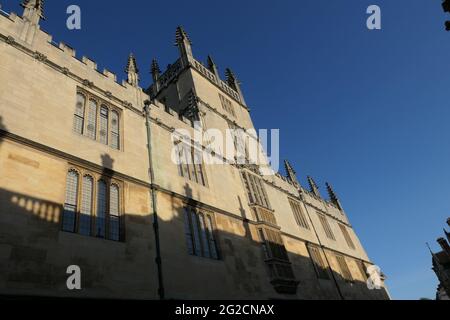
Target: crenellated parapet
{"x":26,"y":36}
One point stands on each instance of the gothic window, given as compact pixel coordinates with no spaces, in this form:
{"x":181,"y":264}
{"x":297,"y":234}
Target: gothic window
{"x":226,"y":105}
{"x":84,"y":227}
{"x":326,"y":227}
{"x":199,"y":232}
{"x":319,"y":263}
{"x":211,"y":238}
{"x":70,"y":205}
{"x":101,"y":209}
{"x":204,"y":236}
{"x":115,"y":135}
{"x":79,"y":215}
{"x":345,"y":271}
{"x":362,"y":269}
{"x":190,"y":163}
{"x":78,"y":120}
{"x":97,"y":120}
{"x":255,"y":189}
{"x":91,"y":123}
{"x":299,"y":214}
{"x":347,"y":237}
{"x":114,"y":208}
{"x":263,"y":244}
{"x":240,"y":141}
{"x":103,"y":134}
{"x":188,"y":232}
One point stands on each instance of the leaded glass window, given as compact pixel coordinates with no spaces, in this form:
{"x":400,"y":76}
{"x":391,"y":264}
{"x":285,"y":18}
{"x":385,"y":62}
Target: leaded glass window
{"x":103,"y":133}
{"x":70,"y":204}
{"x":78,"y":119}
{"x":84,"y":227}
{"x":101,"y":209}
{"x":91,"y":125}
{"x":114,"y":219}
{"x":115,"y":133}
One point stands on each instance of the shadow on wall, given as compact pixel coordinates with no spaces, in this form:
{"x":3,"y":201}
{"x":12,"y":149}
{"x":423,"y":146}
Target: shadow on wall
{"x":3,"y":129}
{"x":34,"y":256}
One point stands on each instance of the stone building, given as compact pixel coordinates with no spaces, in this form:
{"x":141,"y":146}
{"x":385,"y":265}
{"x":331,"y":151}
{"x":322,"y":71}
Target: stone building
{"x":441,"y":266}
{"x":81,"y":185}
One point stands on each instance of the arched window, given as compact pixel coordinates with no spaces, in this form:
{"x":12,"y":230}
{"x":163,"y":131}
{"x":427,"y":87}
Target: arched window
{"x":91,"y":119}
{"x":86,"y":206}
{"x":78,"y":119}
{"x":101,"y":209}
{"x":70,"y":204}
{"x":114,"y":209}
{"x":196,"y":233}
{"x":204,"y":236}
{"x":212,"y":240}
{"x":115,"y":133}
{"x":104,"y":125}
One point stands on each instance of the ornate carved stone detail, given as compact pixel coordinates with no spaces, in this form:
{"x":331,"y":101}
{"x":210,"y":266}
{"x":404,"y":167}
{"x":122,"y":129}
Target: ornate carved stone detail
{"x":10,"y":40}
{"x":88,"y":83}
{"x":65,"y":71}
{"x":40,"y":56}
{"x":127,"y":104}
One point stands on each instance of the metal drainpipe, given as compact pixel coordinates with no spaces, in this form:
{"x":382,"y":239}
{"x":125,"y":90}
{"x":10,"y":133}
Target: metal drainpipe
{"x":154,"y":206}
{"x":321,"y":247}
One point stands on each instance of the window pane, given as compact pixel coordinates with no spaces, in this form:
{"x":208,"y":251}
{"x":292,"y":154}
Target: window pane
{"x":114,"y":225}
{"x":70,"y":205}
{"x":91,"y":119}
{"x":299,"y":215}
{"x":346,"y":274}
{"x":115,"y":134}
{"x":101,"y":209}
{"x":326,"y":227}
{"x":264,"y":244}
{"x":198,"y":163}
{"x":197,"y":245}
{"x":248,"y":187}
{"x":78,"y":120}
{"x":104,"y":125}
{"x":205,"y":242}
{"x":319,"y":263}
{"x":212,"y":240}
{"x":347,"y":237}
{"x":86,"y":206}
{"x":187,"y":231}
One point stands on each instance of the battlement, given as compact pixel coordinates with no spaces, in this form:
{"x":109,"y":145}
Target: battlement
{"x":63,"y":58}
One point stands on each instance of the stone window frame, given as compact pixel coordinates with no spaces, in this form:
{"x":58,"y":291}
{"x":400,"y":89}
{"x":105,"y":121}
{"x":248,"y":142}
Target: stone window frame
{"x":88,"y":97}
{"x":227,"y":105}
{"x":318,"y":260}
{"x":96,"y":176}
{"x":255,"y":189}
{"x":342,"y":264}
{"x":299,"y":214}
{"x":326,"y":226}
{"x":347,"y":236}
{"x":186,"y":170}
{"x":198,"y":243}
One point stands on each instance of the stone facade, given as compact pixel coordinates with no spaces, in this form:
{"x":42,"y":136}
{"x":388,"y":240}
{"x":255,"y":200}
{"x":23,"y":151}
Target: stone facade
{"x":292,"y":243}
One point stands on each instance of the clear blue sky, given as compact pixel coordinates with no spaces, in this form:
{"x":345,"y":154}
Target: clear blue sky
{"x":366,"y":110}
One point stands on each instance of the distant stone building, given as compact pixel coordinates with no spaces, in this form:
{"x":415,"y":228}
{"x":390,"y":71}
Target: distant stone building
{"x":441,"y":266}
{"x":87,"y":178}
